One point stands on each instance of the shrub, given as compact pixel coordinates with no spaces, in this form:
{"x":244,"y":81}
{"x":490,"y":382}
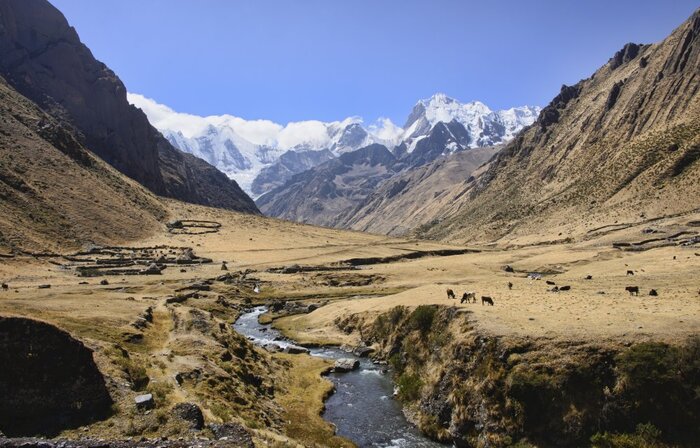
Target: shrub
{"x":409,"y":386}
{"x":646,"y":436}
{"x":422,"y":318}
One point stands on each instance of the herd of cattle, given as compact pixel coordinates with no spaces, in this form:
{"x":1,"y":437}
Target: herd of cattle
{"x":470,"y":296}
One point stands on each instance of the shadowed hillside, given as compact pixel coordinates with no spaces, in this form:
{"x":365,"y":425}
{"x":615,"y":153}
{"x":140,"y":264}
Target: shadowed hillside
{"x":55,"y":193}
{"x":42,"y":57}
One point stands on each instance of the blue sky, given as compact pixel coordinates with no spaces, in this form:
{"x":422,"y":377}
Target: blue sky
{"x":289,"y":60}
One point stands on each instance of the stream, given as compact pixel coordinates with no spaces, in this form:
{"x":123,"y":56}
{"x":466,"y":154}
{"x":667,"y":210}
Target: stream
{"x":362,"y":408}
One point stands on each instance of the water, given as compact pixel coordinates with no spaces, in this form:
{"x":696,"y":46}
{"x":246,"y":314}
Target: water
{"x":362,"y":408}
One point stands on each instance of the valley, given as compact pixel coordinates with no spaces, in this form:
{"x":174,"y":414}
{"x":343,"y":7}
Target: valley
{"x":145,"y":337}
{"x":521,"y":278}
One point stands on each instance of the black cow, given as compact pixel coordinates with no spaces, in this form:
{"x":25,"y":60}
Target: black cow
{"x":564,"y":288}
{"x":653,"y":293}
{"x":630,"y":272}
{"x":510,"y":285}
{"x":633,"y":290}
{"x":486,"y":299}
{"x":549,"y":282}
{"x":468,"y":295}
{"x":451,"y":294}
{"x":589,"y":277}
{"x":5,"y":286}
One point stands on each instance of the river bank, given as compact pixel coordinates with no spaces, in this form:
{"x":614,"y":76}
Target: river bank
{"x":361,"y":407}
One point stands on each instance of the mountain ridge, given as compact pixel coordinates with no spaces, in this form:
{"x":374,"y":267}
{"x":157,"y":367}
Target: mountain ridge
{"x":619,"y":146}
{"x":244,"y":149}
{"x":42,"y":57}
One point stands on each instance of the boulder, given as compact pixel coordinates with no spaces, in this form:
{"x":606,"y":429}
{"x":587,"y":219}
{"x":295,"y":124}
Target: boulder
{"x":190,"y":413}
{"x":144,"y":401}
{"x":152,"y":269}
{"x":363,"y":351}
{"x":223,"y":266}
{"x":44,"y":286}
{"x":311,"y":308}
{"x":200,"y":287}
{"x":295,"y":350}
{"x":186,"y":256}
{"x":234,"y":433}
{"x":272,"y":348}
{"x":291,"y":269}
{"x":346,"y":365}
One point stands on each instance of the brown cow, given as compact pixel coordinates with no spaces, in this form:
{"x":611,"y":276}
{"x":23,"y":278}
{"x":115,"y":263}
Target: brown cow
{"x":486,"y":299}
{"x":451,"y":294}
{"x":633,"y":290}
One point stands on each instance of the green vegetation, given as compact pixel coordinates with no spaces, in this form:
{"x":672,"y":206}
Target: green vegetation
{"x":422,"y":318}
{"x":646,"y":436}
{"x":409,"y":386}
{"x":135,"y":372}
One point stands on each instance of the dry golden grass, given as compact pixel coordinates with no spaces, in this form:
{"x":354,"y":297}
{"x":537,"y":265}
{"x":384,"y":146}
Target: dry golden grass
{"x":302,"y":400}
{"x":175,"y":342}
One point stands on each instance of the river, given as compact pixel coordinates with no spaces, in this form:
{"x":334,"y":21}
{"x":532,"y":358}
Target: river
{"x":362,"y":407}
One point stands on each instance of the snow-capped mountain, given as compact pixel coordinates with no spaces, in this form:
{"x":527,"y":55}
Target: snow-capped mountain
{"x":243,"y":149}
{"x":484,"y":126}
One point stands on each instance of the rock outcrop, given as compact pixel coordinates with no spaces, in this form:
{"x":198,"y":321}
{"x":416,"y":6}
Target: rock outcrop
{"x":53,"y":384}
{"x":42,"y":57}
{"x":470,"y":388}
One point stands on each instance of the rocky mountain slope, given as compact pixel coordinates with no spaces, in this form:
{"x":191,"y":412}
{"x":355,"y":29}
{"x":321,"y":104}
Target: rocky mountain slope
{"x":42,"y":57}
{"x":620,"y":146}
{"x":411,"y":198}
{"x":250,"y":151}
{"x":55,"y":193}
{"x":324,"y":195}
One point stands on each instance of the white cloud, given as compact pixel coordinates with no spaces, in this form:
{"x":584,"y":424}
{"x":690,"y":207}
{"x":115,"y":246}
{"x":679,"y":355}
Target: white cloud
{"x":163,"y":117}
{"x":260,"y":132}
{"x":385,"y":129}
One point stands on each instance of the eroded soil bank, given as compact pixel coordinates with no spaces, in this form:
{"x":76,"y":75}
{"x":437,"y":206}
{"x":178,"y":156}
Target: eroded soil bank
{"x":464,"y":386}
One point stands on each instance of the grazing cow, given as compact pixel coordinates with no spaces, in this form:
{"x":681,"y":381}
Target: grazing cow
{"x":553,"y":289}
{"x":486,"y":299}
{"x":630,"y":272}
{"x":451,"y":294}
{"x":653,"y":293}
{"x":468,"y":295}
{"x":510,"y":285}
{"x":5,"y":286}
{"x":549,"y":282}
{"x":633,"y":290}
{"x":589,"y":277}
{"x":564,"y":288}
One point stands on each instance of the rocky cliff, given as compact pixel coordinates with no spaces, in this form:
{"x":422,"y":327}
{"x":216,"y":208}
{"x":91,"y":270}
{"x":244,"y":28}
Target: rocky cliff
{"x":464,"y":386}
{"x":53,"y":384}
{"x":42,"y":57}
